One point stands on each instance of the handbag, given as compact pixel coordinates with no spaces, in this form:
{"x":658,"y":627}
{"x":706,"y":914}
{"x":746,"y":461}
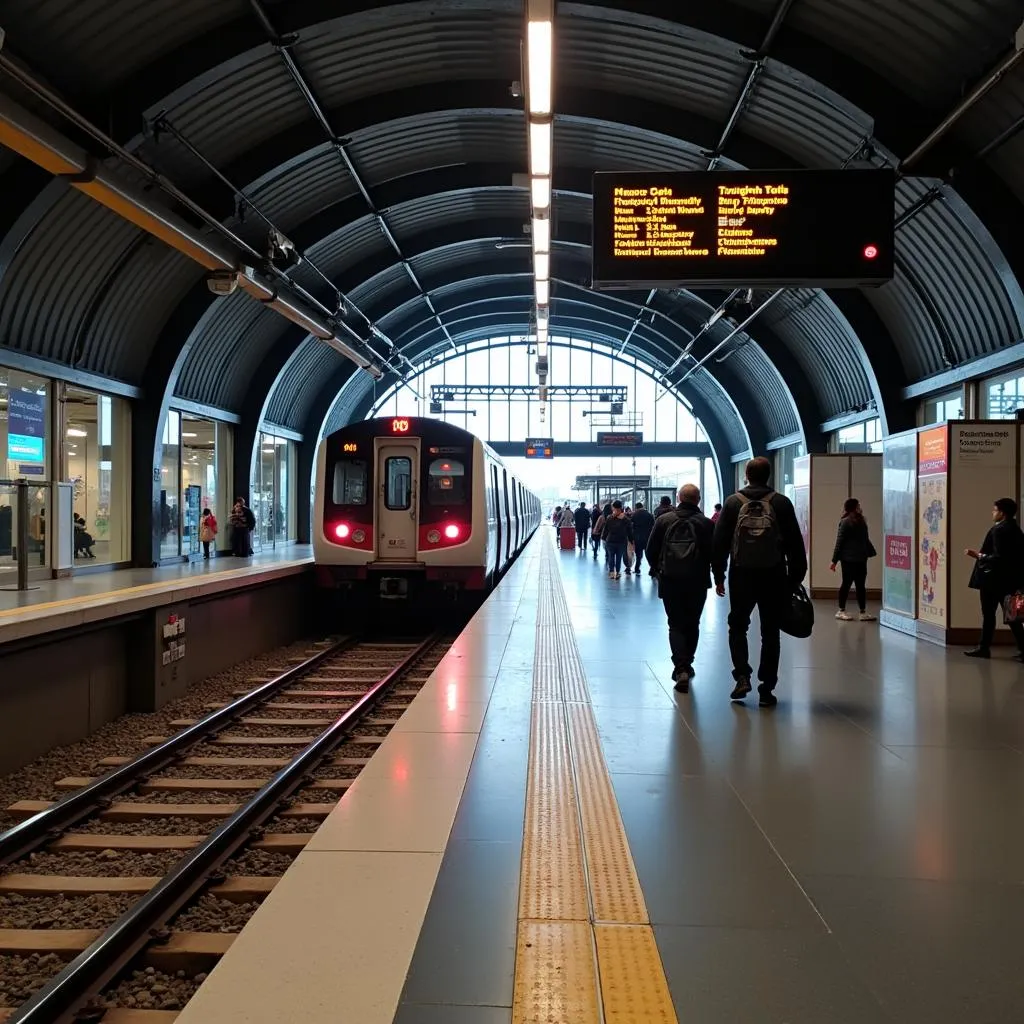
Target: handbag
{"x":1013,"y":607}
{"x":797,"y":617}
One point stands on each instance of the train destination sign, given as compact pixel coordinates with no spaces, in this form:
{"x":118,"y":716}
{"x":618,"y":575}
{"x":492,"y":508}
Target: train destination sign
{"x":725,"y":228}
{"x":540,"y":448}
{"x":619,"y":440}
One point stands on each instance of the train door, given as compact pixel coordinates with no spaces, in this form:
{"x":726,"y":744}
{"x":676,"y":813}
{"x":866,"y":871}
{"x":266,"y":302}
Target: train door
{"x":497,"y":518}
{"x":508,"y":515}
{"x":397,"y":486}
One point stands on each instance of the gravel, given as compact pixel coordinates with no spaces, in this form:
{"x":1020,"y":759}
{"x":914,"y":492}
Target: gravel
{"x":256,"y":750}
{"x":214,"y":915}
{"x":98,"y":863}
{"x":354,"y":750}
{"x":94,"y":911}
{"x":20,"y":976}
{"x":147,"y":827}
{"x":337,"y":771}
{"x":198,"y":771}
{"x":292,"y":825}
{"x":259,"y":862}
{"x":319,"y":796}
{"x":193,"y":796}
{"x":272,"y":730}
{"x":151,"y":989}
{"x":372,"y":730}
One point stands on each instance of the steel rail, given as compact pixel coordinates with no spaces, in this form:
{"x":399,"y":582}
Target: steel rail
{"x":64,"y":996}
{"x":34,"y":832}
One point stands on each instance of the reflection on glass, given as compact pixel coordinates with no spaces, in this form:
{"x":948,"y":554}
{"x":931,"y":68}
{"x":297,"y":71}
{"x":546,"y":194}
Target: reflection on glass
{"x":170,"y":487}
{"x":198,"y":477}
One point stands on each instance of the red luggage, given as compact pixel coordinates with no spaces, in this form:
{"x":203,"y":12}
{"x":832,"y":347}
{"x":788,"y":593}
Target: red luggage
{"x":567,"y":538}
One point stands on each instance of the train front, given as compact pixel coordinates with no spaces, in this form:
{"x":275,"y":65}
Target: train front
{"x":394,"y":509}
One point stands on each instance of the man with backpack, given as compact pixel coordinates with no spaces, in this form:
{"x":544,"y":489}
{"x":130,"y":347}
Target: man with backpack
{"x":679,"y":553}
{"x":759,"y":537}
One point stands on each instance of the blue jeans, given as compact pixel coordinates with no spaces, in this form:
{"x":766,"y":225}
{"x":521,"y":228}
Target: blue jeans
{"x":616,"y":552}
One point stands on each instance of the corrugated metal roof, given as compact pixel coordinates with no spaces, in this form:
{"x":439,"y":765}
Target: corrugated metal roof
{"x":304,"y":374}
{"x":361,"y":240}
{"x":407,"y":220}
{"x":749,"y":362}
{"x":584,"y":143}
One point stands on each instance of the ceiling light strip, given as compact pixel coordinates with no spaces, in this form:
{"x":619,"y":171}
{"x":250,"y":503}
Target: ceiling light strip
{"x":540,"y":48}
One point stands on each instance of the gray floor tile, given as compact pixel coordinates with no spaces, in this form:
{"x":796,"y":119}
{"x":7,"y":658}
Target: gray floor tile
{"x":701,"y":859}
{"x":935,"y":953}
{"x":421,"y":1013}
{"x":648,"y":741}
{"x":725,"y":976}
{"x":466,"y":949}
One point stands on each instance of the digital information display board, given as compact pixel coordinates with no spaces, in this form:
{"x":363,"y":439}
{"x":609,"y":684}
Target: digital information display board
{"x":540,"y":448}
{"x":609,"y":440}
{"x":733,"y":228}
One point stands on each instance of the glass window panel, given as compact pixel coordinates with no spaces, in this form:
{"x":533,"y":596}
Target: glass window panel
{"x":397,"y":483}
{"x":170,"y":487}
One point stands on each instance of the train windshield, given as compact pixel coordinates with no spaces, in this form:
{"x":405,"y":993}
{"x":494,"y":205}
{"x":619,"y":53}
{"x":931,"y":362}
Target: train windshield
{"x":350,"y":479}
{"x":397,"y":483}
{"x":446,"y":482}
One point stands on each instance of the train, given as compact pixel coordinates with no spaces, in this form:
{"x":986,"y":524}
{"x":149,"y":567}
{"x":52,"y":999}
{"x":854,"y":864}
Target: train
{"x":409,"y":506}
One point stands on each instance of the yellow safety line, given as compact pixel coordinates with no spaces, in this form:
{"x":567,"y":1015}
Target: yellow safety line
{"x":585,"y":949}
{"x":167,"y":586}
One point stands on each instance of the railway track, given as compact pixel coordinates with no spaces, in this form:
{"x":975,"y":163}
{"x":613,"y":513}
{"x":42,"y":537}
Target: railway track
{"x":183,"y":841}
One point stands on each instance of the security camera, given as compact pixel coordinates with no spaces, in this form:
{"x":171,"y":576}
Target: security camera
{"x":222,"y":282}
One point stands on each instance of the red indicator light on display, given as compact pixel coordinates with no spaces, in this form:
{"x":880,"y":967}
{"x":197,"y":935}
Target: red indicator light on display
{"x":452,"y":531}
{"x":341,"y":531}
{"x":870,"y":252}
{"x":399,"y":426}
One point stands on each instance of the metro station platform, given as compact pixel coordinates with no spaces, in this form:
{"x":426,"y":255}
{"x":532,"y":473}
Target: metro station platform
{"x":51,"y":605}
{"x":551,"y":834}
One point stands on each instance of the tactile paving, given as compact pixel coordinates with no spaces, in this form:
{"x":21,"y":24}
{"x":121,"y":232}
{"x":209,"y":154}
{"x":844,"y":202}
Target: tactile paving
{"x":556,"y":977}
{"x":552,"y":885}
{"x":633,"y":985}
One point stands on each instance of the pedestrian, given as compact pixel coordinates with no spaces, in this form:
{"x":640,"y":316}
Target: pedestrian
{"x":643,"y":524}
{"x":759,"y":538}
{"x":665,"y":505}
{"x":566,"y":519}
{"x":597,"y":531}
{"x":242,"y":522}
{"x":606,"y":514}
{"x":852,"y":551}
{"x":717,"y":514}
{"x":207,"y":531}
{"x":582,"y":520}
{"x":618,"y":532}
{"x":679,"y":553}
{"x":998,"y":571}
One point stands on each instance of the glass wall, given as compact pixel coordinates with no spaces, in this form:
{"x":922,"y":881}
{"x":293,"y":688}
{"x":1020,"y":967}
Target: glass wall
{"x":859,"y":437}
{"x":1002,"y":397}
{"x":784,"y":478}
{"x":96,"y":461}
{"x":941,"y":408}
{"x":274,"y":492}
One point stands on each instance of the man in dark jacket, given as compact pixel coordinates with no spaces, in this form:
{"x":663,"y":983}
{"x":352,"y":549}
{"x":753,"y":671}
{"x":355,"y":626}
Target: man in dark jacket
{"x":999,"y":570}
{"x":618,"y":532}
{"x":759,"y":537}
{"x":643,"y":524}
{"x":665,"y":505}
{"x":581,"y":517}
{"x":684,"y":588}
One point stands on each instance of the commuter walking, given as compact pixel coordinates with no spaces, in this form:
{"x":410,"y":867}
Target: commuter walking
{"x":717,"y":514}
{"x":643,"y":525}
{"x":582,"y":520}
{"x":759,"y":538}
{"x":665,"y":505}
{"x":566,"y":520}
{"x":852,"y":551}
{"x":679,"y":552}
{"x":618,"y":532}
{"x":998,"y":572}
{"x":207,"y":531}
{"x":596,"y":531}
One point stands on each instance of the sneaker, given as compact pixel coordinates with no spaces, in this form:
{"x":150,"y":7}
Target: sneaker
{"x":611,"y":575}
{"x":618,"y":576}
{"x":979,"y":652}
{"x":629,"y":572}
{"x":682,"y":681}
{"x":741,"y":689}
{"x":766,"y":699}
{"x":865,"y":617}
{"x":844,"y":616}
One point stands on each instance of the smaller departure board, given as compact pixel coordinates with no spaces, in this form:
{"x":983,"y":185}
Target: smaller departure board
{"x":788,"y":228}
{"x":619,"y":440}
{"x":540,"y":448}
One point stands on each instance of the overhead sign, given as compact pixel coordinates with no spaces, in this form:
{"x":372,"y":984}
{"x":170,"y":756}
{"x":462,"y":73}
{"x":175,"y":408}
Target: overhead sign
{"x":613,"y":440}
{"x":26,"y":426}
{"x":758,"y":228}
{"x":540,"y":448}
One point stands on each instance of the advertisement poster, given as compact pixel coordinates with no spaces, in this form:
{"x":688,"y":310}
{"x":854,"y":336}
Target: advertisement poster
{"x":933,"y":463}
{"x":26,"y":426}
{"x":899,"y":526}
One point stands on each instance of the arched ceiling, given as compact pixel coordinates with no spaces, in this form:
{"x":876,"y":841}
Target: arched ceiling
{"x":384,"y":141}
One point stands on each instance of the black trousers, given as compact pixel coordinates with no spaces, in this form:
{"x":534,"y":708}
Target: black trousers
{"x":854,"y":574}
{"x":765,"y":590}
{"x":639,"y":547}
{"x":991,"y":602}
{"x":683,"y":609}
{"x":581,"y":537}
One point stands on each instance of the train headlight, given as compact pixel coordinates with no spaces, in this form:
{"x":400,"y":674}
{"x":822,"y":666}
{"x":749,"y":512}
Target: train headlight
{"x":341,"y":531}
{"x":433,"y":537}
{"x":452,"y":531}
{"x":359,"y":536}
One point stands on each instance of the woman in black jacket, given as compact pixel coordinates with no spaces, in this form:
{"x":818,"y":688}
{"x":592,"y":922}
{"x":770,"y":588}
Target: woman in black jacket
{"x":852,"y":551}
{"x":998,"y":571}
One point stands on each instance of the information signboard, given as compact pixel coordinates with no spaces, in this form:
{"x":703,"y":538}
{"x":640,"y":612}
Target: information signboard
{"x":540,"y":448}
{"x":26,"y":426}
{"x":620,"y":440}
{"x":831,"y":228}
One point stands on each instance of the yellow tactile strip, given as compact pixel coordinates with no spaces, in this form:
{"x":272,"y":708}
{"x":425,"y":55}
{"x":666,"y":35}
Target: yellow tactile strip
{"x":585,"y":951}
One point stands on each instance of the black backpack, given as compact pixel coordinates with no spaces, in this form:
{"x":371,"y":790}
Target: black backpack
{"x":679,"y":550}
{"x":755,"y":541}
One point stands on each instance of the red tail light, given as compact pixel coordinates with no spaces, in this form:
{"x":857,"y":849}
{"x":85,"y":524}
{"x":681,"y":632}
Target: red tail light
{"x":341,"y":531}
{"x":452,"y":531}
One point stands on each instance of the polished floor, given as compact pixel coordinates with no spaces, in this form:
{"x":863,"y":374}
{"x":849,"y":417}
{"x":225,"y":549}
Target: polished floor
{"x":854,"y":855}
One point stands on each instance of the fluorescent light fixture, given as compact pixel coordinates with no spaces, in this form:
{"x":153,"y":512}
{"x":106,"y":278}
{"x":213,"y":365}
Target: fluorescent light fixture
{"x":542,"y":318}
{"x":540,"y":190}
{"x":76,"y":432}
{"x":543,"y":292}
{"x":541,"y":231}
{"x":185,"y":433}
{"x":540,"y":149}
{"x":538,"y":53}
{"x":542,"y":266}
